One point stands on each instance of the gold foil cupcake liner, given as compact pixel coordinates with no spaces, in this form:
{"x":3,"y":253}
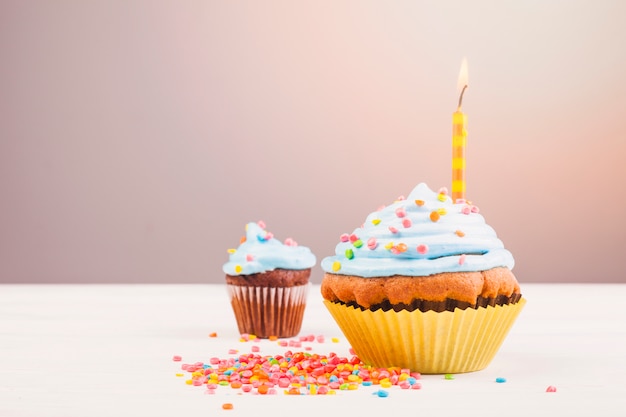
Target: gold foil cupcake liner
{"x":427,"y":342}
{"x":268,"y":311}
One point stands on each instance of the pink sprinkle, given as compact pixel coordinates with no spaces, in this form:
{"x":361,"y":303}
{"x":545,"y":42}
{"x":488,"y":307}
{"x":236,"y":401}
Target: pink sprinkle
{"x":322,"y":390}
{"x":466,"y":210}
{"x":405,"y":384}
{"x":416,"y":375}
{"x":461,"y":201}
{"x":423,"y":249}
{"x":272,"y":391}
{"x":246,"y":388}
{"x":344,"y":237}
{"x":371,"y":243}
{"x":475,"y":209}
{"x":249,"y":257}
{"x":551,"y":388}
{"x":302,"y":338}
{"x":400,"y":198}
{"x":380,"y":208}
{"x":462,"y":259}
{"x":417,"y":385}
{"x":400,"y":212}
{"x":255,"y":349}
{"x":284,"y":382}
{"x":443,"y":190}
{"x":353,"y":238}
{"x":393,"y":229}
{"x":177,"y":358}
{"x":320,"y":338}
{"x":406,"y":223}
{"x":245,"y":336}
{"x":269,"y":235}
{"x":290,"y":242}
{"x":214,"y":361}
{"x":261,"y":224}
{"x":308,"y":348}
{"x":210,"y":391}
{"x":352,"y":352}
{"x":283,"y":343}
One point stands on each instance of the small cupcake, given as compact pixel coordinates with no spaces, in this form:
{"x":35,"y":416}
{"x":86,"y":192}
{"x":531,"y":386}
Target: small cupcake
{"x":423,"y":284}
{"x":268,"y":283}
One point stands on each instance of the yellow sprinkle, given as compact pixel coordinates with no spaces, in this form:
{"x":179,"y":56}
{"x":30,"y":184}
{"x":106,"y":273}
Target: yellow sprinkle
{"x":336,"y":266}
{"x":389,"y":245}
{"x":313,"y":390}
{"x":353,"y":386}
{"x":442,"y":211}
{"x":403,"y":377}
{"x":251,"y":336}
{"x":331,"y":392}
{"x":385,"y":383}
{"x":441,"y":197}
{"x":238,"y":268}
{"x":189,"y":382}
{"x":376,"y":222}
{"x":197,"y":373}
{"x":353,"y":378}
{"x":231,"y":251}
{"x":296,"y":385}
{"x":180,"y":374}
{"x":254,"y":378}
{"x":335,"y":340}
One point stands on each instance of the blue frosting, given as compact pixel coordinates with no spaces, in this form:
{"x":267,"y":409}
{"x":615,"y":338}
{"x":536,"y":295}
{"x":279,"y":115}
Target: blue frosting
{"x":261,"y":252}
{"x":455,"y":239}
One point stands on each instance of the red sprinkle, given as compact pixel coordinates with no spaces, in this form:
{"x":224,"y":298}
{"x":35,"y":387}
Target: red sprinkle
{"x":177,"y":358}
{"x":551,"y":388}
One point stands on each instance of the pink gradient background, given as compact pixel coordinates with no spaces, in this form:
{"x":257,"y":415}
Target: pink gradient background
{"x":137,"y":138}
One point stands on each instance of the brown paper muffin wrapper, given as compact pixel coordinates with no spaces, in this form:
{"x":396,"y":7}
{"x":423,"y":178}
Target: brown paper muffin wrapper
{"x":427,"y":342}
{"x":268,"y":311}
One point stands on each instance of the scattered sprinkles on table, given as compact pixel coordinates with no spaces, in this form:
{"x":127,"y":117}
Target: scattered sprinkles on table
{"x":294,"y":373}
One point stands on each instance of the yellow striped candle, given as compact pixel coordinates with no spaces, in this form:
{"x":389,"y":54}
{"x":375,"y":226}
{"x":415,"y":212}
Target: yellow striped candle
{"x":459,"y":140}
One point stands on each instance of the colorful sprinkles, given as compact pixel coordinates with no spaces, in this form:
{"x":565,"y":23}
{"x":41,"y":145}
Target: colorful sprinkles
{"x":295,"y":373}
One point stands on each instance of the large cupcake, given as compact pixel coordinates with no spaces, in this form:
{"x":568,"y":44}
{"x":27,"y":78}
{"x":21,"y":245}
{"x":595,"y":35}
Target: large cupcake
{"x":423,"y":284}
{"x":268,"y":283}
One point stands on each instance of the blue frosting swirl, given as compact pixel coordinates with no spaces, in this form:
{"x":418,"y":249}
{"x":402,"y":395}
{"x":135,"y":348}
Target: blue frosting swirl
{"x":261,"y":252}
{"x":422,"y":235}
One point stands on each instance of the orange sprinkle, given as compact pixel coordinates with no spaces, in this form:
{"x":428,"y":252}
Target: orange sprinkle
{"x":401,"y":247}
{"x":213,"y":334}
{"x":263,"y":389}
{"x":459,"y":233}
{"x":273,"y":338}
{"x":242,"y":240}
{"x":419,"y":202}
{"x":434,"y":216}
{"x":236,"y":384}
{"x":227,"y":406}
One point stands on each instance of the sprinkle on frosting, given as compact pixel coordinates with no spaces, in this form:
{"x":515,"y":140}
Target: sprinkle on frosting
{"x":433,"y":234}
{"x":259,"y":252}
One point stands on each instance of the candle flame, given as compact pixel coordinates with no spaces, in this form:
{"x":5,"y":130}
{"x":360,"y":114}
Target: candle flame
{"x":463,"y":81}
{"x":463,"y":76}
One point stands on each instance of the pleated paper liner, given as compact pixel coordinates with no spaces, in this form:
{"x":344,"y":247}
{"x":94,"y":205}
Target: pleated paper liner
{"x":427,"y":342}
{"x":268,"y":311}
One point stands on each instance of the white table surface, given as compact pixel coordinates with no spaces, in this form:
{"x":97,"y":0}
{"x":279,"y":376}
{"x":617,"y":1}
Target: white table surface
{"x":106,"y":350}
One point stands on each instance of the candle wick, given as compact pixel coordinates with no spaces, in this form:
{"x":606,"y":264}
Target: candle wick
{"x":461,"y":97}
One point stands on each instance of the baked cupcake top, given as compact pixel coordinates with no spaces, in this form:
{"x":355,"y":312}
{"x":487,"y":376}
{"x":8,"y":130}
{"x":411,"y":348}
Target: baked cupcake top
{"x":259,"y":251}
{"x":420,"y":235}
